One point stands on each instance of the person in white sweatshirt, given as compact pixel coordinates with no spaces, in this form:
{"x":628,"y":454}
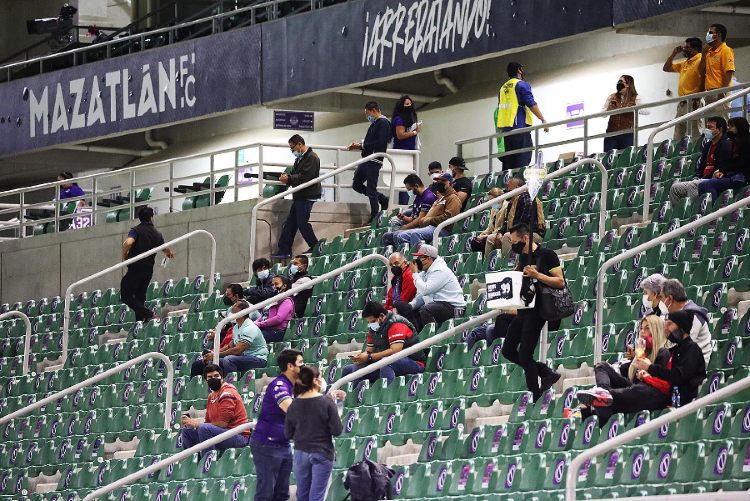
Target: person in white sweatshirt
{"x":675,"y":299}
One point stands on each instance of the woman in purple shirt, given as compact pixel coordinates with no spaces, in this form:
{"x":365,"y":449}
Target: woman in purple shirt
{"x":405,"y":125}
{"x":275,"y":319}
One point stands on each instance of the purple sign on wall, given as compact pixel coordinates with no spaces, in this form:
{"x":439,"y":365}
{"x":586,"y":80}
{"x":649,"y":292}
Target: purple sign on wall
{"x":294,"y":120}
{"x":574,"y":110}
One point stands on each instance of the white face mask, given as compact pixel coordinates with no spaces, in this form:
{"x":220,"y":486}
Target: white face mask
{"x":647,"y":302}
{"x":263,"y":274}
{"x":374,"y":326}
{"x":323,"y":384}
{"x":662,"y":308}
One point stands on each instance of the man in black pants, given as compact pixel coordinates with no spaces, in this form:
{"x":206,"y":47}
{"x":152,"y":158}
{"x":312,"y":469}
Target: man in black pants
{"x":306,"y":168}
{"x":134,"y":284}
{"x":376,"y":141}
{"x":542,"y":265}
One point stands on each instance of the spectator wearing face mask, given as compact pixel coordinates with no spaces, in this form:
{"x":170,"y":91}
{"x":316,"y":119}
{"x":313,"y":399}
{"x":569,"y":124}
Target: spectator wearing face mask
{"x":675,"y":298}
{"x":275,"y":319}
{"x":406,"y":126}
{"x":444,"y":208}
{"x":231,"y":296}
{"x":717,"y":63}
{"x":716,"y":154}
{"x":461,"y":184}
{"x":625,"y":97}
{"x":736,"y":171}
{"x":300,"y":276}
{"x":423,"y":198}
{"x":485,"y":241}
{"x":306,"y":168}
{"x":690,"y":82}
{"x":434,"y":168}
{"x":402,"y":283}
{"x":520,"y":209}
{"x":652,"y":299}
{"x":263,"y":288}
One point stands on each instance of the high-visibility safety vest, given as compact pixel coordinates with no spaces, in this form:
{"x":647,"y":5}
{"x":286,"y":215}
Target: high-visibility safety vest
{"x":507,"y":105}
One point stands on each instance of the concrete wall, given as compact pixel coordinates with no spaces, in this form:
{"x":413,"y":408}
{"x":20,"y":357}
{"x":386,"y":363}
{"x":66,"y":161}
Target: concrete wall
{"x":46,"y":265}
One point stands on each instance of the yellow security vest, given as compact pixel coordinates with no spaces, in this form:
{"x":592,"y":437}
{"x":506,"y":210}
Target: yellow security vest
{"x":507,"y":105}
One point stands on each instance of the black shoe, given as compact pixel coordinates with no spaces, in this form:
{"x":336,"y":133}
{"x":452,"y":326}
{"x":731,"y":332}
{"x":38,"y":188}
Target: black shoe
{"x":383,"y":203}
{"x":549,"y":381}
{"x":309,"y":251}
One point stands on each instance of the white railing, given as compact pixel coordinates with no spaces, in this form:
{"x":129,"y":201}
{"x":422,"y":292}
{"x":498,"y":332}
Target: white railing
{"x":630,"y":437}
{"x":27,"y":336}
{"x":118,"y":190}
{"x":99,"y":377}
{"x":69,"y":290}
{"x":291,"y":292}
{"x":523,"y":189}
{"x":700,"y":112}
{"x":642,"y":248}
{"x":335,"y":172}
{"x":488,"y":141}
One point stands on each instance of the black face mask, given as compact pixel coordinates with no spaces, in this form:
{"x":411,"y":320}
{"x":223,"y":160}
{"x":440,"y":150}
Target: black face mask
{"x":227,"y":301}
{"x":396,"y":271}
{"x":731,"y":135}
{"x":620,"y":86}
{"x":440,"y":188}
{"x":214,"y":384}
{"x":518,"y":247}
{"x":675,"y":336}
{"x":418,"y":262}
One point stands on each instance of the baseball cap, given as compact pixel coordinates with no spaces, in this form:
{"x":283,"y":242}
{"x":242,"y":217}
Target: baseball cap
{"x":427,"y":251}
{"x":444,"y":176}
{"x":458,"y":162}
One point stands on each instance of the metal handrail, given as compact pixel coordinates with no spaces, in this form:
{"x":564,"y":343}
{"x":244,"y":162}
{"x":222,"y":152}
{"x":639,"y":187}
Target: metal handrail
{"x":683,"y":118}
{"x":187,"y":453}
{"x":432,"y":340}
{"x":644,"y":247}
{"x":291,"y":292}
{"x":139,"y":36}
{"x":279,"y":196}
{"x":523,"y":189}
{"x":127,"y":262}
{"x":571,"y":476}
{"x":95,"y":379}
{"x":584,"y":118}
{"x":27,"y":337}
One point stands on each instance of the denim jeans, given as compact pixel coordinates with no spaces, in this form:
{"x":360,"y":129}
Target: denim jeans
{"x":194,"y":436}
{"x":717,"y":185}
{"x":389,"y":372}
{"x":273,"y":466}
{"x":312,"y":471}
{"x":413,"y":236}
{"x":240,"y":363}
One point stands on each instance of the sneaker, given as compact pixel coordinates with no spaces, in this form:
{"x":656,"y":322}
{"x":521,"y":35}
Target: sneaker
{"x":595,"y":397}
{"x":549,"y":381}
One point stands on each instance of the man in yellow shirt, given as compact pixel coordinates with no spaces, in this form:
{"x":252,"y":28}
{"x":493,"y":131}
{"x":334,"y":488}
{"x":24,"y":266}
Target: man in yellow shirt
{"x":717,"y":63}
{"x":690,"y":82}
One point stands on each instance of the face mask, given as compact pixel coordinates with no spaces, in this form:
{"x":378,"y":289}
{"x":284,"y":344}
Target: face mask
{"x":418,"y":262}
{"x":373,"y":326}
{"x":440,"y":188}
{"x":263,"y":274}
{"x":297,"y":154}
{"x":370,"y":118}
{"x":293,"y":269}
{"x":277,"y":289}
{"x":710,"y":37}
{"x":708,"y":134}
{"x":495,"y":206}
{"x":731,"y":135}
{"x":518,"y":247}
{"x":227,"y":301}
{"x":647,"y":302}
{"x":662,"y":308}
{"x":323,"y":385}
{"x":686,"y":54}
{"x":620,"y":86}
{"x":434,"y":187}
{"x":412,"y":196}
{"x":396,"y":271}
{"x":214,"y":384}
{"x":675,"y":336}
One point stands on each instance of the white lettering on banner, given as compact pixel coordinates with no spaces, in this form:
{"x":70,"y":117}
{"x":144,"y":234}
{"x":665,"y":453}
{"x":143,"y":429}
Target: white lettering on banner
{"x":158,"y":93}
{"x":424,"y":27}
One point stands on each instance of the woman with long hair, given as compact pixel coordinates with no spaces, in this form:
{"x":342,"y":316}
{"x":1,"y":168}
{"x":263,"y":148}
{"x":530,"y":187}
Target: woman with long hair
{"x":736,"y":173}
{"x":625,"y":97}
{"x":312,"y":421}
{"x":405,"y":125}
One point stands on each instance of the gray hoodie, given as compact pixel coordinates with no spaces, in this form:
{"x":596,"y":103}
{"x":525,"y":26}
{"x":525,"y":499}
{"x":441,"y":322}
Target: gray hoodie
{"x":700,"y":331}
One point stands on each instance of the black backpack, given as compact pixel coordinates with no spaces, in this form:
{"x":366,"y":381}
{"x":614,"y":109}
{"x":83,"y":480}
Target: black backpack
{"x":368,"y":481}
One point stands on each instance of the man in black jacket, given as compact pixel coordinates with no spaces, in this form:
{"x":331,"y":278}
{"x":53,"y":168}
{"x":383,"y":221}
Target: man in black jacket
{"x":263,"y":288}
{"x":306,"y":168}
{"x":376,"y":141}
{"x":300,"y":276}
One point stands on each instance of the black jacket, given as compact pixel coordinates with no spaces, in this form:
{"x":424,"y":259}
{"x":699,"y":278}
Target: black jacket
{"x":378,"y":136}
{"x":306,"y":168}
{"x":722,"y":155}
{"x":263,"y":290}
{"x":302,"y":297}
{"x":688,"y":369}
{"x":739,"y":163}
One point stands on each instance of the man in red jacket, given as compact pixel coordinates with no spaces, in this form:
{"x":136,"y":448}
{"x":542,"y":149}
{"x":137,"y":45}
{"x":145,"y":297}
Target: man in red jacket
{"x":402,"y":283}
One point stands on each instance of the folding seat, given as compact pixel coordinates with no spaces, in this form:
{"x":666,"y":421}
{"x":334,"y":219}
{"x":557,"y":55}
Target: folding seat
{"x":728,"y":353}
{"x":14,"y":482}
{"x":738,"y":470}
{"x":586,"y":433}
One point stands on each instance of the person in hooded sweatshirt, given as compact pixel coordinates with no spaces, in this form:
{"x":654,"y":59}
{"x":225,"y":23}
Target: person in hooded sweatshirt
{"x":674,"y":297}
{"x":439,"y":295}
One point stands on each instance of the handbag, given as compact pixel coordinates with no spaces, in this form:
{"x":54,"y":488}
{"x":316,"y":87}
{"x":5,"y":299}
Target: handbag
{"x":553,"y":304}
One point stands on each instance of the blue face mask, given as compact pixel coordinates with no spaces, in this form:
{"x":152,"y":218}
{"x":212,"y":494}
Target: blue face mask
{"x":373,"y":326}
{"x":297,"y":154}
{"x":293,"y":269}
{"x":708,"y":134}
{"x":710,"y":37}
{"x":412,"y":196}
{"x":370,"y":118}
{"x":263,"y":274}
